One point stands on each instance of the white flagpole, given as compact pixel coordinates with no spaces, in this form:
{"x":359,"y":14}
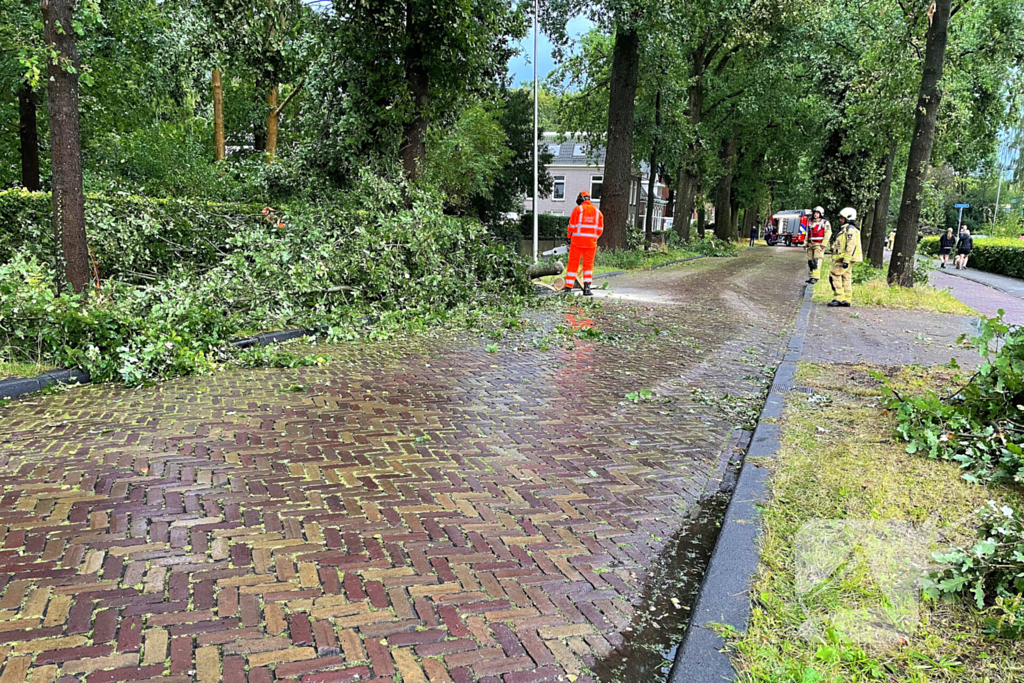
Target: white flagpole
{"x":536,"y":145}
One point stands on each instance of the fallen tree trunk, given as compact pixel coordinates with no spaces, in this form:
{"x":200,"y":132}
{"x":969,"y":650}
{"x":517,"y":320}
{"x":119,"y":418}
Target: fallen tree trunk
{"x":543,"y":269}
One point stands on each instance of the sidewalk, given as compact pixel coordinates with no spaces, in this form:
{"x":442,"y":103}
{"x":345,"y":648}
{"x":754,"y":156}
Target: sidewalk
{"x":986,"y":293}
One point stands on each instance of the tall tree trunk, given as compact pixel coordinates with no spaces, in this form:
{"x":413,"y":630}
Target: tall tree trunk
{"x":901,"y":265}
{"x":688,"y":180}
{"x":723,"y":197}
{"x":734,"y":216}
{"x":868,"y":228}
{"x":66,"y":143}
{"x":702,"y":217}
{"x":618,"y":165}
{"x":28,"y":132}
{"x":652,"y":181}
{"x":272,"y":123}
{"x":414,"y":131}
{"x":876,"y":247}
{"x":686,"y":196}
{"x":749,"y":221}
{"x":218,"y":116}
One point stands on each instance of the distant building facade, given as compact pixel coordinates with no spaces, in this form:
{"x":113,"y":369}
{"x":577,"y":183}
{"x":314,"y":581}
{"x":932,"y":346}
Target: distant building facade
{"x":576,"y":167}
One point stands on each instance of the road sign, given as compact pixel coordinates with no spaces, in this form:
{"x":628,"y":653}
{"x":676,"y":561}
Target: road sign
{"x":961,"y":206}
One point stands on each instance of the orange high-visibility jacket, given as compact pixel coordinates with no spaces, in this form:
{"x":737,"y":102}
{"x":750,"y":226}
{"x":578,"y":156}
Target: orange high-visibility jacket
{"x":586,"y":225}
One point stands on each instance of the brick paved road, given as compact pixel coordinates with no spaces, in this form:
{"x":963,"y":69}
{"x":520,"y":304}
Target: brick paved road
{"x":430,"y":510}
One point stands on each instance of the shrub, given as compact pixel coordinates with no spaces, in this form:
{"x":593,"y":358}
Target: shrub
{"x":133,"y":239}
{"x":327,"y":268}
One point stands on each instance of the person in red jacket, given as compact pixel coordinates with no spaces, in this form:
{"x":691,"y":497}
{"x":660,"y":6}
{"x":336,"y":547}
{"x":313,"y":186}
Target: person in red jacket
{"x":585,"y":227}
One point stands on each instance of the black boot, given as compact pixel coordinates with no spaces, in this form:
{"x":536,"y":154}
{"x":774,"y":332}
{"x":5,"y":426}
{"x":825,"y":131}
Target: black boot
{"x":586,"y":289}
{"x":834,"y":303}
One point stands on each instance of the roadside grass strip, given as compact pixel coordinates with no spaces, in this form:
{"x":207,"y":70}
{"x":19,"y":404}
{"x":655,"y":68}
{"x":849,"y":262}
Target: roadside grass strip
{"x":849,"y":510}
{"x":875,"y":292}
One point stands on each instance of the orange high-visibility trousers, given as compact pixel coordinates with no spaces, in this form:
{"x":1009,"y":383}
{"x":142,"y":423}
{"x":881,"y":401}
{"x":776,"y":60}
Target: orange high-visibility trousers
{"x":580,"y":250}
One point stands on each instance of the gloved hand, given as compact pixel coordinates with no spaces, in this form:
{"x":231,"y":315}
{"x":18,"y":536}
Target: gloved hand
{"x":846,"y":265}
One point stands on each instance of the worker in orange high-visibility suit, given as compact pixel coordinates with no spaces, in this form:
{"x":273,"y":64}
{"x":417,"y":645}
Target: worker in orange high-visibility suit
{"x":585,"y":227}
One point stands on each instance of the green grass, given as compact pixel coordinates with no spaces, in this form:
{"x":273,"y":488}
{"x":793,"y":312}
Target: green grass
{"x":839,"y":461}
{"x":8,"y":370}
{"x":876,"y":292}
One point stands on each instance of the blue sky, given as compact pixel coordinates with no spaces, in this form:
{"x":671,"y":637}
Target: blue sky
{"x":521,"y":67}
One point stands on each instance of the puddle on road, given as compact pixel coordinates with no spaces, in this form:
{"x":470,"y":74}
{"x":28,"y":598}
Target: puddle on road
{"x":661,"y":620}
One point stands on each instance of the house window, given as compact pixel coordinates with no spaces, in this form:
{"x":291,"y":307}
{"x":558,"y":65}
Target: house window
{"x":579,"y":150}
{"x":559,"y":189}
{"x":632,"y":194}
{"x":596,"y":182}
{"x":553,"y":150}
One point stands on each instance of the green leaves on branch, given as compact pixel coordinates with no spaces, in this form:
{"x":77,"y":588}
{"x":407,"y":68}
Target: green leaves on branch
{"x":330,"y":267}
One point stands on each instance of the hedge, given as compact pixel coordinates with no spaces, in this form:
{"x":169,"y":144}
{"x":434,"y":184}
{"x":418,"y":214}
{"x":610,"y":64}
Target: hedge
{"x":549,"y":226}
{"x":132,"y":238}
{"x":1000,"y":255}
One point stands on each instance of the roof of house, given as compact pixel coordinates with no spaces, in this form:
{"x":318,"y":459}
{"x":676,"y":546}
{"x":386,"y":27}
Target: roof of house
{"x":567,"y":152}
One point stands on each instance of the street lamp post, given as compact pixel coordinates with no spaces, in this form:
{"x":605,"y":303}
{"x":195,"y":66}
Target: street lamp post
{"x":536,"y":142}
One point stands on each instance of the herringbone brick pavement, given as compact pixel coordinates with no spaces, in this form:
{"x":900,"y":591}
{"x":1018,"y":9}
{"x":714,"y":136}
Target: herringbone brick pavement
{"x":430,"y":510}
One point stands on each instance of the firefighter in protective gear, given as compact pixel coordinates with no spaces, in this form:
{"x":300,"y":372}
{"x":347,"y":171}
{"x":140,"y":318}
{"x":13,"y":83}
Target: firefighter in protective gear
{"x":585,"y":227}
{"x":818,"y":237}
{"x":845,"y":252}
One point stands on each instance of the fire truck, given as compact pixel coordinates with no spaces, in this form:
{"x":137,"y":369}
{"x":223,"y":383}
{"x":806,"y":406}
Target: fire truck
{"x":789,"y":228}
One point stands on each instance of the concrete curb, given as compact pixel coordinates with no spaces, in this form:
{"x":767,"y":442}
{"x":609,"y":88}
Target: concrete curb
{"x":17,"y":387}
{"x":724,"y":596}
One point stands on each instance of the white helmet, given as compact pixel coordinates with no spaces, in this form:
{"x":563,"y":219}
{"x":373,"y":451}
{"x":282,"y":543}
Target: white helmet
{"x":849,"y":214}
{"x":820,"y":210}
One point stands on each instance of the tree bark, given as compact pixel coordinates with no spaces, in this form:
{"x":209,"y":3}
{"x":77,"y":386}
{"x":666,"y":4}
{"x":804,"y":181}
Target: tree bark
{"x":723,"y":197}
{"x":702,"y":217}
{"x":901,"y":265}
{"x":28,"y":132}
{"x":218,"y":116}
{"x":868,"y":228}
{"x":688,"y":180}
{"x":66,"y":143}
{"x":686,"y":196}
{"x":749,"y":221}
{"x":618,"y":166}
{"x":272,"y":123}
{"x":652,"y":181}
{"x":414,"y":131}
{"x":734,"y":215}
{"x":876,"y":247}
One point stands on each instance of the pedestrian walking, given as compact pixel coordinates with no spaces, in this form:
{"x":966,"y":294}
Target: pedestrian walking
{"x":845,"y":252}
{"x":946,"y":244}
{"x":891,"y":241}
{"x":753,"y":234}
{"x":819,"y":236}
{"x":964,"y":248}
{"x":585,"y":227}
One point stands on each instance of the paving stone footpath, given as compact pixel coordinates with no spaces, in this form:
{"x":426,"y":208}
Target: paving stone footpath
{"x":426,"y":509}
